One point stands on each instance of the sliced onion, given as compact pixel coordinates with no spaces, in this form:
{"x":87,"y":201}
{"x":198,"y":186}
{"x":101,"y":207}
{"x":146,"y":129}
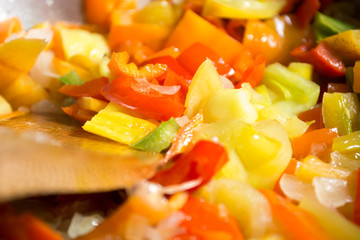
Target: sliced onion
{"x":83,"y":224}
{"x":44,"y":71}
{"x":342,"y":161}
{"x":331,"y":192}
{"x":294,"y":188}
{"x":182,"y":120}
{"x":181,"y":187}
{"x":168,"y":228}
{"x":151,"y":193}
{"x":167,"y":90}
{"x":227,"y":83}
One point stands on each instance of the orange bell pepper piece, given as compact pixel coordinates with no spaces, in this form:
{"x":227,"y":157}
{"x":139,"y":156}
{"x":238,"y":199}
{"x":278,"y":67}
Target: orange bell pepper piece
{"x":261,"y":39}
{"x":294,"y":222}
{"x":82,"y":115}
{"x":192,"y":28}
{"x":88,"y":89}
{"x":317,"y":143}
{"x":254,"y":73}
{"x":119,"y":66}
{"x":8,"y":27}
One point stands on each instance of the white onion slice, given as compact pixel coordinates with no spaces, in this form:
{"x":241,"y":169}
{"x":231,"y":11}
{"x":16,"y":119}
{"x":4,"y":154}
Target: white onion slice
{"x":44,"y":71}
{"x":331,"y":192}
{"x":181,"y":187}
{"x":294,"y":188}
{"x":227,"y":84}
{"x":167,"y":90}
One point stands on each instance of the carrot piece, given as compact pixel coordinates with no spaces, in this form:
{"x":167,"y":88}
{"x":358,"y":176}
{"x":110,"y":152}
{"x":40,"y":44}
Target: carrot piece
{"x":307,"y":11}
{"x":182,"y":140}
{"x":24,"y":227}
{"x":294,"y":222}
{"x":356,"y":217}
{"x":317,"y":143}
{"x":192,"y":28}
{"x":8,"y":27}
{"x":290,"y":169}
{"x":119,"y":66}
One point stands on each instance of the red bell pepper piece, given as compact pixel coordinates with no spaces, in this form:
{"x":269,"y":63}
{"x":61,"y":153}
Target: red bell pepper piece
{"x":175,"y":66}
{"x":294,"y":222}
{"x":324,"y":60}
{"x":317,"y":143}
{"x":201,"y":162}
{"x":24,"y":227}
{"x":306,"y":11}
{"x":207,"y":222}
{"x":314,"y":114}
{"x":134,"y":95}
{"x":192,"y":57}
{"x":254,"y":73}
{"x":357,"y":201}
{"x":88,"y":89}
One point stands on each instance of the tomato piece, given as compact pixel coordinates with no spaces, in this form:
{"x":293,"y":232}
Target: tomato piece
{"x":208,"y":222}
{"x":91,"y":88}
{"x":324,"y":60}
{"x":193,"y":56}
{"x":317,"y":143}
{"x":203,"y":161}
{"x":133,"y":94}
{"x":294,"y":222}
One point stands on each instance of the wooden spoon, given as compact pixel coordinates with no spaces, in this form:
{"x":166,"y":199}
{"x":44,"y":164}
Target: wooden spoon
{"x":50,"y":154}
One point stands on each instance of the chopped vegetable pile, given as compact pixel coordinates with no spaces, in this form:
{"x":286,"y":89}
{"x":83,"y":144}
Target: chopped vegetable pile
{"x":254,"y":106}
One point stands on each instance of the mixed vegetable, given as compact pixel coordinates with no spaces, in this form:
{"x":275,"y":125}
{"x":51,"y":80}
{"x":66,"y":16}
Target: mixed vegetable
{"x":253,"y":104}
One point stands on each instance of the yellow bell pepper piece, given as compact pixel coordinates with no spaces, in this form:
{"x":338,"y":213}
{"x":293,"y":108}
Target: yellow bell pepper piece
{"x":112,"y":123}
{"x":92,"y":104}
{"x":5,"y":107}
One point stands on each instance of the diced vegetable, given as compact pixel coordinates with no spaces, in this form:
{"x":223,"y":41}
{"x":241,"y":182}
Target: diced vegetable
{"x":326,"y":26}
{"x":356,"y":82}
{"x":5,"y":107}
{"x":205,"y":83}
{"x":348,"y":144}
{"x":306,"y":11}
{"x":296,"y":94}
{"x":88,"y":89}
{"x":244,"y":202}
{"x":112,"y":123}
{"x":160,"y":139}
{"x":356,"y":217}
{"x":335,"y":224}
{"x":303,"y":69}
{"x":71,"y":78}
{"x":243,"y":9}
{"x":341,"y":110}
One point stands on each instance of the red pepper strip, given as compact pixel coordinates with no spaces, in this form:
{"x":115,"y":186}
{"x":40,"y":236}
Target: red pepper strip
{"x":119,"y":67}
{"x":235,"y":28}
{"x":314,"y":114}
{"x":193,"y":56}
{"x":254,"y":73}
{"x":306,"y":11}
{"x":172,"y":79}
{"x":24,"y":227}
{"x":317,"y":143}
{"x":134,"y":95}
{"x":203,"y":161}
{"x":290,"y":169}
{"x":357,"y":201}
{"x":324,"y":60}
{"x":183,"y":139}
{"x":294,"y":222}
{"x":207,"y":222}
{"x":77,"y":113}
{"x":88,"y":89}
{"x":175,"y":66}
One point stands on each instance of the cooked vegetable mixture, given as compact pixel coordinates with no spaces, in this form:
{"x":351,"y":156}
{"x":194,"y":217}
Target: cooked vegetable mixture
{"x":253,"y":104}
